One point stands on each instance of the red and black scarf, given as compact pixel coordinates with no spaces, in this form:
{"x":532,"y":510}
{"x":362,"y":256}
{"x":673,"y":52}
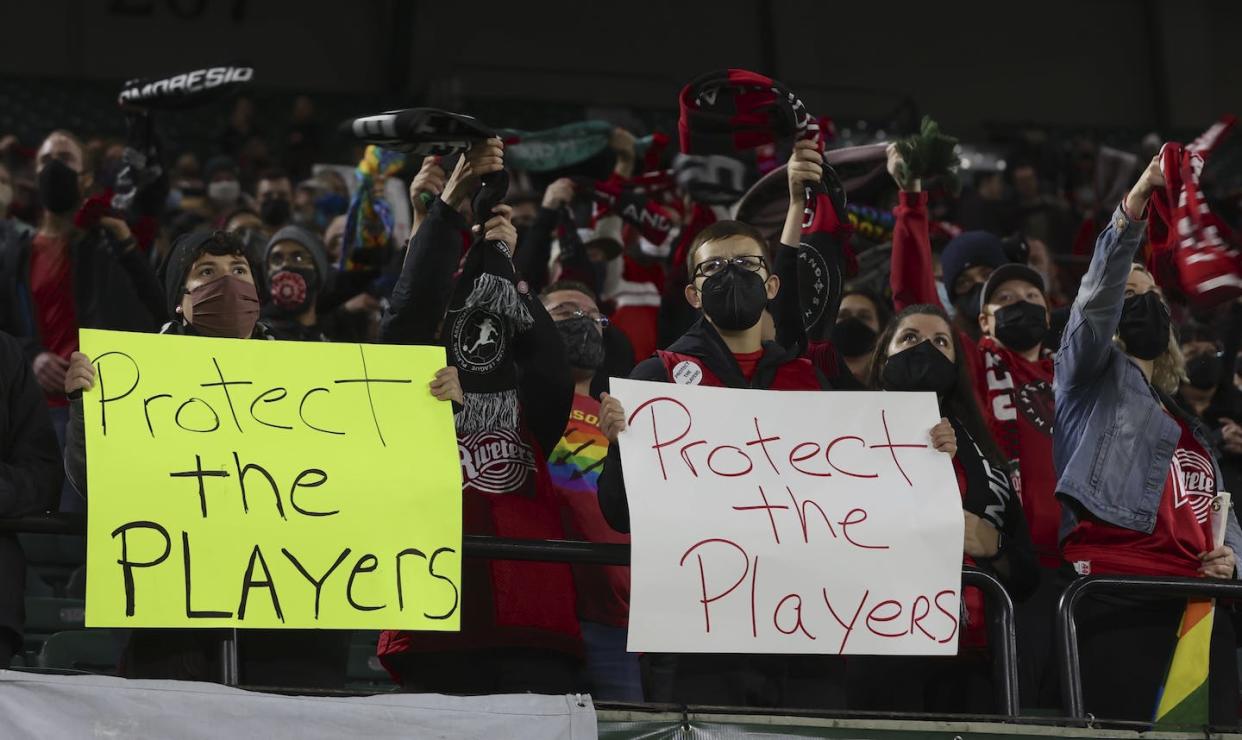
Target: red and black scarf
{"x":734,"y":110}
{"x":1192,"y":247}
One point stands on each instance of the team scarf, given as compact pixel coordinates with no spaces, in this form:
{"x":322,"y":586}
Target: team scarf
{"x":563,"y":146}
{"x":1192,"y":247}
{"x":486,"y":313}
{"x":392,"y":136}
{"x":367,"y":242}
{"x":653,"y":221}
{"x":714,"y":179}
{"x":185,"y":90}
{"x":736,"y":110}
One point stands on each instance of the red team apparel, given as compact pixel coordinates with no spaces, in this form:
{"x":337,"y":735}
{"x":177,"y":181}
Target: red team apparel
{"x":1182,"y":531}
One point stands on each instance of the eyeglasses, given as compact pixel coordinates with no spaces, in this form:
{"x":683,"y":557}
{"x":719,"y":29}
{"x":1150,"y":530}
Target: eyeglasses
{"x":566,"y":311}
{"x":277,"y":260}
{"x":748,"y":262}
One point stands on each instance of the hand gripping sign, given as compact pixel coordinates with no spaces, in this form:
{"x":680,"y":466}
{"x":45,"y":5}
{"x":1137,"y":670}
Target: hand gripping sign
{"x":789,"y":522}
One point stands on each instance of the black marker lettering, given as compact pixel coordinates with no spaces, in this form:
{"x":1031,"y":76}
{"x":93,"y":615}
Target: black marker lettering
{"x":264,"y":398}
{"x":241,"y":481}
{"x":224,"y":386}
{"x":191,"y":612}
{"x":104,"y":399}
{"x":214,"y":416}
{"x":146,"y":411}
{"x":318,"y":584}
{"x":248,"y":583}
{"x":400,"y":592}
{"x":201,"y":474}
{"x":127,"y":565}
{"x":431,"y":567}
{"x":371,"y":562}
{"x":302,"y":411}
{"x":367,"y":380}
{"x":297,"y":483}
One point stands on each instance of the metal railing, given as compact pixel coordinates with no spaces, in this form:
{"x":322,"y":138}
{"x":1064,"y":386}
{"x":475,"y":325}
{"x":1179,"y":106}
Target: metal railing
{"x":1067,"y":626}
{"x":1002,"y":633}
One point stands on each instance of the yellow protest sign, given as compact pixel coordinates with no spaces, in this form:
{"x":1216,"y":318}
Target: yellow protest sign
{"x":269,"y":484}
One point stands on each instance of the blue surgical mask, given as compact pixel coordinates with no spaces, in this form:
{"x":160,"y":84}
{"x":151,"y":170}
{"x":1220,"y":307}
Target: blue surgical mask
{"x":943,"y":293}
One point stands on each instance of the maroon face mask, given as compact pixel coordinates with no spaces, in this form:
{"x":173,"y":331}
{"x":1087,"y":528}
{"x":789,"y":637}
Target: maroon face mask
{"x":226,"y":307}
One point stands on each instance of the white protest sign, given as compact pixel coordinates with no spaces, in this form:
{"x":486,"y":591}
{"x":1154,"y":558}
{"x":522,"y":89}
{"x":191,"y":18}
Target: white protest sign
{"x":789,"y":522}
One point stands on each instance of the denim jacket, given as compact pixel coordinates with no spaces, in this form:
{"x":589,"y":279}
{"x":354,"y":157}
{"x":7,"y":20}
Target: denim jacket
{"x":1112,"y":443}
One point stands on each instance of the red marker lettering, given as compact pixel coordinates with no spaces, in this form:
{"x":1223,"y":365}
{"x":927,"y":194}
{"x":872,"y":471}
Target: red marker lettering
{"x":767,"y":507}
{"x":706,"y":600}
{"x":916,"y":619}
{"x":871,"y":616}
{"x":712,"y":455}
{"x":952,"y":615}
{"x":892,"y":448}
{"x":762,"y":441}
{"x":849,"y":628}
{"x":800,"y":510}
{"x":798,"y":625}
{"x":828,"y":457}
{"x":795,"y":458}
{"x":657,"y":444}
{"x":851,"y":518}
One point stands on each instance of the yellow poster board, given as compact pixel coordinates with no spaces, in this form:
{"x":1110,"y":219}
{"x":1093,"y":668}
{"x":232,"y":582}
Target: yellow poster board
{"x":243,"y":483}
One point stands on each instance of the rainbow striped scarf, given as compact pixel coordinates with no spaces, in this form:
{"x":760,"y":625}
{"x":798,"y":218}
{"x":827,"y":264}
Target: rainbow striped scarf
{"x":368,"y":239}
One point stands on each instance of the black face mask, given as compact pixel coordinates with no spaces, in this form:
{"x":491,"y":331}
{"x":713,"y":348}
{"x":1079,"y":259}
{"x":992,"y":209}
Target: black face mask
{"x":58,"y":187}
{"x":734,"y":298}
{"x":920,"y":368}
{"x":584,"y":345}
{"x":853,"y":337}
{"x":1144,"y":326}
{"x":275,"y":211}
{"x":293,"y":290}
{"x":1204,"y":371}
{"x":968,"y":304}
{"x":1021,"y":326}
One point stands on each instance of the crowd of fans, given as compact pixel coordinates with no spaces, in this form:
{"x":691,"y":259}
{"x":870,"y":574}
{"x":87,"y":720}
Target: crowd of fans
{"x":1090,"y":416}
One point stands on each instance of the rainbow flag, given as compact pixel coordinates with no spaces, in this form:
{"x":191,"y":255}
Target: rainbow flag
{"x":1183,"y":699}
{"x":368,"y":240}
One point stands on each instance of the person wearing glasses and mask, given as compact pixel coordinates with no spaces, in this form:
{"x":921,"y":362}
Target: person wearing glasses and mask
{"x":603,"y":591}
{"x":731,"y":283}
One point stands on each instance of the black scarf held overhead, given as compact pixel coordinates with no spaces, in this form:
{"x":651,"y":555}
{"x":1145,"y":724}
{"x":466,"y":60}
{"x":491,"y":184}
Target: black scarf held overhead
{"x":485,"y":315}
{"x":486,"y":312}
{"x":733,"y":110}
{"x":419,"y":131}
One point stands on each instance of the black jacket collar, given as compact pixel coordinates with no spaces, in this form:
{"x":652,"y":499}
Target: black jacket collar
{"x":705,"y":343}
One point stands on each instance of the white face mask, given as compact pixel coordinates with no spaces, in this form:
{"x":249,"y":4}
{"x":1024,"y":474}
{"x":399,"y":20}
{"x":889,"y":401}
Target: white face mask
{"x":224,"y":192}
{"x":6,"y":197}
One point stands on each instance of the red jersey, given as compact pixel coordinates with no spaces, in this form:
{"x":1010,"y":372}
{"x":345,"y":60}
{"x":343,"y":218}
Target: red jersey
{"x":748,"y":361}
{"x":51,"y":287}
{"x":1183,"y":525}
{"x":1018,"y":405}
{"x":1014,"y":394}
{"x":575,"y":465}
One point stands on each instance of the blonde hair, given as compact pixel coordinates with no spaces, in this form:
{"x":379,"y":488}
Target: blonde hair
{"x":1168,"y":370}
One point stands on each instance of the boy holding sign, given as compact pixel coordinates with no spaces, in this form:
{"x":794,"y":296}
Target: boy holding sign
{"x":732,"y":283}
